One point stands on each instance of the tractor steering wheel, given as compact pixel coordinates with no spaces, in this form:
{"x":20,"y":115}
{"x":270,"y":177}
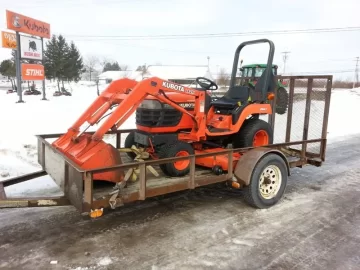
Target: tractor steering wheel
{"x":206,"y":84}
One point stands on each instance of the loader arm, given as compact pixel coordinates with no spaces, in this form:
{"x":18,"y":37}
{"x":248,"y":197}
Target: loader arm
{"x":90,"y":151}
{"x":149,"y":87}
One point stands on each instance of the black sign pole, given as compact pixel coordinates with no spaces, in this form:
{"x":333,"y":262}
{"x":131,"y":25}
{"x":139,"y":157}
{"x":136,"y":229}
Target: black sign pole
{"x":18,"y":68}
{"x":42,"y":61}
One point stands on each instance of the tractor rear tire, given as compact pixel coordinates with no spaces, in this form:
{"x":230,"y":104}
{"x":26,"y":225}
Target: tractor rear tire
{"x":129,"y":142}
{"x":268,"y":182}
{"x":282,"y":101}
{"x":176,"y":149}
{"x":254,"y":132}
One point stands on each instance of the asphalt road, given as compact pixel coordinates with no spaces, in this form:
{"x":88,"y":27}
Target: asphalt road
{"x":315,"y":226}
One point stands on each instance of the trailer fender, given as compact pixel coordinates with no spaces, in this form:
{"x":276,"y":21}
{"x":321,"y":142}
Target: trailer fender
{"x":246,"y":164}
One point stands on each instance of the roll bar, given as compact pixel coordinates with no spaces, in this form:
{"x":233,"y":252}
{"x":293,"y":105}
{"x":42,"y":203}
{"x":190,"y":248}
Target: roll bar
{"x":267,"y":70}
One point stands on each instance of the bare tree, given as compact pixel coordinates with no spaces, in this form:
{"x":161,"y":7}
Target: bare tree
{"x":126,"y":70}
{"x":143,"y":69}
{"x":223,"y":77}
{"x":104,"y":60}
{"x":90,"y":64}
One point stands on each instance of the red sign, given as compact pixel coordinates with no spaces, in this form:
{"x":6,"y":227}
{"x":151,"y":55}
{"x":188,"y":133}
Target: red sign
{"x":21,"y":23}
{"x":32,"y":72}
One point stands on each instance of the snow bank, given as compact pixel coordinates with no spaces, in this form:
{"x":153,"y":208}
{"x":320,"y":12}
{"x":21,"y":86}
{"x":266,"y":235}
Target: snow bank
{"x":21,"y":122}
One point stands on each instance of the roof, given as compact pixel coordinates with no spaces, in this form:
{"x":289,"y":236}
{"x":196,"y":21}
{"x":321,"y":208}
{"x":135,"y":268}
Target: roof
{"x":178,"y":72}
{"x":257,"y":65}
{"x":115,"y":75}
{"x":166,"y":72}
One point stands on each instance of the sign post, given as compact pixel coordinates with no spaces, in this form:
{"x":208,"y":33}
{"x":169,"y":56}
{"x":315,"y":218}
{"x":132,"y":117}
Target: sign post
{"x":43,"y":82}
{"x":18,"y":69}
{"x":24,"y":24}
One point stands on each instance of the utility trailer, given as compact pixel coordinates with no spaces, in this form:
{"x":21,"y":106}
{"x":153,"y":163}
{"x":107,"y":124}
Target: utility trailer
{"x":299,"y":140}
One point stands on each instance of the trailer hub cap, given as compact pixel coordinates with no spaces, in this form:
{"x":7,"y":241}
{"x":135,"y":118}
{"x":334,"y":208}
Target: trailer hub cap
{"x":270,"y":182}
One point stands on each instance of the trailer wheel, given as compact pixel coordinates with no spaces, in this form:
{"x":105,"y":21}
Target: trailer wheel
{"x":176,"y":149}
{"x":267,"y":183}
{"x":129,"y":142}
{"x":254,"y":132}
{"x":282,"y":101}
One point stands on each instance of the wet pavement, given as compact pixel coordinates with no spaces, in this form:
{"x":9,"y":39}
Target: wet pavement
{"x":315,"y":226}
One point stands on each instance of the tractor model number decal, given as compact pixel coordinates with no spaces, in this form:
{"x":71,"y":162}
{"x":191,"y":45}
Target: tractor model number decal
{"x":177,"y":87}
{"x":187,"y":105}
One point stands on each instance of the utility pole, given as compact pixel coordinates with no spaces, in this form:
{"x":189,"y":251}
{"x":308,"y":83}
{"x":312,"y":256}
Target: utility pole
{"x":356,"y":75}
{"x":285,"y":57}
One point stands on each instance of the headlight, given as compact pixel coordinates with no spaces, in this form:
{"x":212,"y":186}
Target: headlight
{"x":150,"y":104}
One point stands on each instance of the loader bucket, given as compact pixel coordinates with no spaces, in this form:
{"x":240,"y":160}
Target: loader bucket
{"x":89,"y":154}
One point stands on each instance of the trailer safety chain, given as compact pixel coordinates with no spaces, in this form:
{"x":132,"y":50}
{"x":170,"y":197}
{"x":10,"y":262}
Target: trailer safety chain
{"x":132,"y":174}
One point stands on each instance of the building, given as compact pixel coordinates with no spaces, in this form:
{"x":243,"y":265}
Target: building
{"x":109,"y":76}
{"x":185,"y":75}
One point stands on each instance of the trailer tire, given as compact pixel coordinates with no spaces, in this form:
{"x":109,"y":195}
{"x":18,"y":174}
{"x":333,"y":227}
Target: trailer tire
{"x":282,"y":101}
{"x":268,"y":182}
{"x":129,"y":142}
{"x":250,"y":130}
{"x":174,"y":149}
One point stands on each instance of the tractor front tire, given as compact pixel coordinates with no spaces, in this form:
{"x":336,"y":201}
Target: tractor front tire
{"x":282,"y":101}
{"x":129,"y":142}
{"x":268,"y":182}
{"x":253,"y":133}
{"x":176,"y":149}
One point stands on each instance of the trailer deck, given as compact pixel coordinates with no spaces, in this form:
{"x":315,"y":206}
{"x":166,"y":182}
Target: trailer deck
{"x":299,"y":146}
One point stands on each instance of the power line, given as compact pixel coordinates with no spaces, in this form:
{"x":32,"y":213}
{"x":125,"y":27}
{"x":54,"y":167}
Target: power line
{"x":218,"y":35}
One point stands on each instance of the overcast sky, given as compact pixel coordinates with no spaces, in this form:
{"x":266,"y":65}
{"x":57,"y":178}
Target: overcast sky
{"x":328,"y":53}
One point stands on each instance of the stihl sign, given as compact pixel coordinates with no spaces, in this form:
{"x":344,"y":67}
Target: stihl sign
{"x":32,"y":72}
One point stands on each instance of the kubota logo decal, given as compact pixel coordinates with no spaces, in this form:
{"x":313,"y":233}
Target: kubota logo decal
{"x":24,"y":24}
{"x":173,"y":86}
{"x":16,"y":21}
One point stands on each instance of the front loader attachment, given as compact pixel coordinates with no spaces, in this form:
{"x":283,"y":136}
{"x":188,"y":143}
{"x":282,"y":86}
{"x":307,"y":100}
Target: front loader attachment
{"x":90,"y":152}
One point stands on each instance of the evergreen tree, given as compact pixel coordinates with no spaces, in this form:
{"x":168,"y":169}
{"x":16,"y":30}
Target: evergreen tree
{"x":62,"y":61}
{"x":74,"y":66}
{"x":49,"y":56}
{"x":111,"y":67}
{"x":8,"y":69}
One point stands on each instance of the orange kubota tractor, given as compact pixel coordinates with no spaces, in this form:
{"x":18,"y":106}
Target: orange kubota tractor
{"x":170,"y":129}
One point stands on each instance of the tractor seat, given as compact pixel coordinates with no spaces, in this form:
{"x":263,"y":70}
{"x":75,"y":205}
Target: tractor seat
{"x":232,"y":97}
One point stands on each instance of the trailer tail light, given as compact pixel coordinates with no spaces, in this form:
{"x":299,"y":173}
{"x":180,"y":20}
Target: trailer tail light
{"x":270,"y":96}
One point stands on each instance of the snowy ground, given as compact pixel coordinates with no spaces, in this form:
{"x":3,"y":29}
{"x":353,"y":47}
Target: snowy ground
{"x":207,"y":228}
{"x":21,"y":122}
{"x":316,"y":226}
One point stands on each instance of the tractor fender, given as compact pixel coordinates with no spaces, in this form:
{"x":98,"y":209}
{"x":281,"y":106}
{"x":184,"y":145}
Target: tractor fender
{"x":246,"y":164}
{"x":250,"y":109}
